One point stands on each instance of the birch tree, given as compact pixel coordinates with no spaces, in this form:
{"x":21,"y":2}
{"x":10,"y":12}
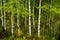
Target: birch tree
{"x":4,"y":15}
{"x":33,"y":13}
{"x":12,"y":19}
{"x":52,"y":18}
{"x":39,"y":18}
{"x":18,"y":20}
{"x":56,"y":22}
{"x":29,"y":18}
{"x":1,"y":14}
{"x":25,"y":14}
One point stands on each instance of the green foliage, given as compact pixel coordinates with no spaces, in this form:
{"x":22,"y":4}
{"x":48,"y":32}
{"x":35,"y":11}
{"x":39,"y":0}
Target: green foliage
{"x":50,"y":15}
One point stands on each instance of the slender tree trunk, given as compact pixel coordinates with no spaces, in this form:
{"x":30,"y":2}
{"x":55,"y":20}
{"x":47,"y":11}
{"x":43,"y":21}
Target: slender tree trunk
{"x":4,"y":15}
{"x":25,"y":14}
{"x":12,"y":20}
{"x":29,"y":18}
{"x":33,"y":13}
{"x":18,"y":24}
{"x":52,"y":18}
{"x":39,"y":18}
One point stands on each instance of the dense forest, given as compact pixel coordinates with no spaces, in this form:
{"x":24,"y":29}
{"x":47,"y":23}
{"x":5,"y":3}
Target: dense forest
{"x":29,"y":19}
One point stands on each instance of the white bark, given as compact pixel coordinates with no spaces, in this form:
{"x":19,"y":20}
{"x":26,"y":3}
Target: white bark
{"x":18,"y":24}
{"x":25,"y":14}
{"x":12,"y":20}
{"x":33,"y":18}
{"x":29,"y":18}
{"x":1,"y":14}
{"x":39,"y":18}
{"x":4,"y":15}
{"x":33,"y":14}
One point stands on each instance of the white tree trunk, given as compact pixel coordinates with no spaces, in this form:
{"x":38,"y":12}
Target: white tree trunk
{"x":33,"y":18}
{"x":4,"y":15}
{"x":39,"y":18}
{"x":29,"y":18}
{"x":33,"y":14}
{"x":18,"y":24}
{"x":25,"y":14}
{"x":12,"y":20}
